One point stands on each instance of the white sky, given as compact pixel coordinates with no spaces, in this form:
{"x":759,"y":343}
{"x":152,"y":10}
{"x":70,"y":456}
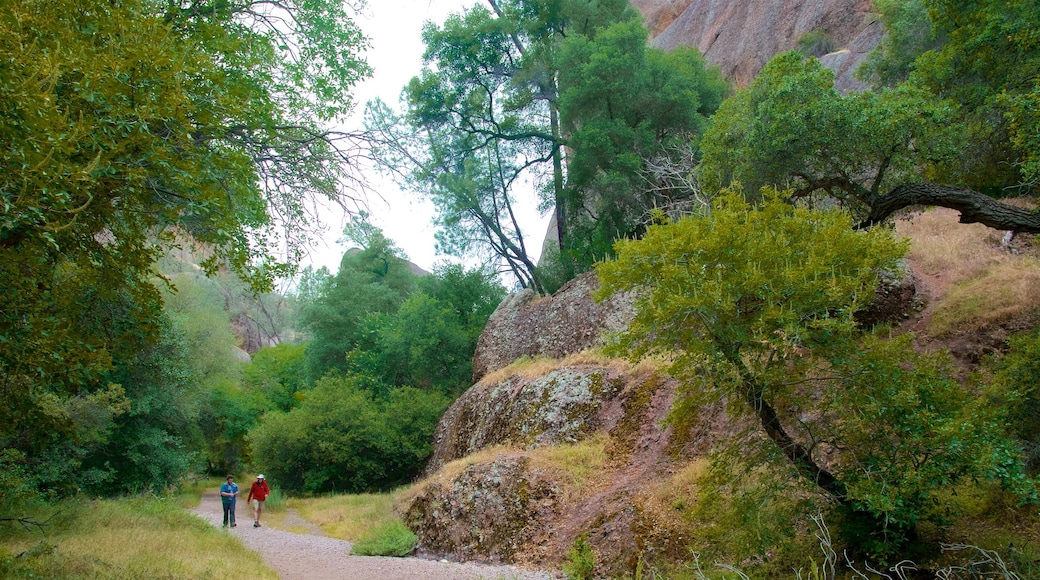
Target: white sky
{"x":394,"y":28}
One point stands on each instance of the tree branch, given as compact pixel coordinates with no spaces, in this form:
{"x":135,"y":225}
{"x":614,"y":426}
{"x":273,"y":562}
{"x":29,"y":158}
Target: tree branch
{"x":974,"y":207}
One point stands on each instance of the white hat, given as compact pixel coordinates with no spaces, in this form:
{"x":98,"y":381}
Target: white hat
{"x":261,"y":476}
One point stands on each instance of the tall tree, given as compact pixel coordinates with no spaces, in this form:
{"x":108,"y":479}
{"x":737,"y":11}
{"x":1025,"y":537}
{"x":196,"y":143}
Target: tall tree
{"x":484,"y":116}
{"x":375,"y":279}
{"x":469,"y":135}
{"x":126,"y":124}
{"x":622,"y":104}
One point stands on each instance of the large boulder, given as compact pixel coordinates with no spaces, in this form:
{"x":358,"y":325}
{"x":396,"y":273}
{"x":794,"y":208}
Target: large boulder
{"x":526,"y":325}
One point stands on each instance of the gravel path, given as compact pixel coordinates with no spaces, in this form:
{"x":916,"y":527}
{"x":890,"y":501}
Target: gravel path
{"x":313,"y":556}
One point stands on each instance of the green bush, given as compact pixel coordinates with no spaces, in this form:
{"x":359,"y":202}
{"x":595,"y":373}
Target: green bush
{"x":581,"y":560}
{"x":1016,"y":385}
{"x":342,"y":438}
{"x":816,"y":43}
{"x":391,"y":539}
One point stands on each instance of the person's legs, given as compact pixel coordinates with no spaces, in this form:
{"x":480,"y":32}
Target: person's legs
{"x":232,"y":511}
{"x":259,"y":510}
{"x":256,"y":513}
{"x":227,"y":509}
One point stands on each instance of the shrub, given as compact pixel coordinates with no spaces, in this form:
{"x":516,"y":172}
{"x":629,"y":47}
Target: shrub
{"x":389,"y":539}
{"x":816,"y":43}
{"x":581,"y":560}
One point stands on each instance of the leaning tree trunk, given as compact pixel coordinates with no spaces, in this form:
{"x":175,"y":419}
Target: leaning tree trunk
{"x":975,"y":207}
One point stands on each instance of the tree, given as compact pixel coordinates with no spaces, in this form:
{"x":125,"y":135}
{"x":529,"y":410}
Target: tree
{"x":908,"y":34}
{"x":342,"y":438}
{"x":865,"y":149}
{"x":623,"y":104}
{"x":469,"y":134}
{"x":127,"y":125}
{"x":972,"y":73}
{"x":484,"y":117}
{"x":990,"y":65}
{"x":429,"y":342}
{"x":372,"y":280}
{"x":755,"y":306}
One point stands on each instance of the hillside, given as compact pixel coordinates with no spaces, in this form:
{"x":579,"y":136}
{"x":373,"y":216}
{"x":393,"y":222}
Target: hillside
{"x":556,"y":443}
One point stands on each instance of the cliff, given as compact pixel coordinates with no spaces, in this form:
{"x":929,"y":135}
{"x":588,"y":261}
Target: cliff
{"x":740,"y":36}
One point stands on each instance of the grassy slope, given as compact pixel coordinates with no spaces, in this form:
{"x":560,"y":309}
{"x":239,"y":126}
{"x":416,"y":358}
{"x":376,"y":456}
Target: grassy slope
{"x":129,"y":538}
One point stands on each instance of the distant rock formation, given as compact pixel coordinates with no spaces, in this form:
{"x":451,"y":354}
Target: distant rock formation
{"x":740,"y":36}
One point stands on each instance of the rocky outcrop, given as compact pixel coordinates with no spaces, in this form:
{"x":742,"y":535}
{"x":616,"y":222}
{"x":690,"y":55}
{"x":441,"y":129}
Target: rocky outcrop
{"x":526,"y":325}
{"x":490,"y":512}
{"x":564,"y":405}
{"x":505,"y":506}
{"x":508,"y":507}
{"x":740,"y":36}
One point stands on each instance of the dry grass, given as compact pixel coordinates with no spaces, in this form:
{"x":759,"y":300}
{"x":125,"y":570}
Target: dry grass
{"x":579,"y":466}
{"x":347,"y":517}
{"x":535,"y":367}
{"x":129,"y":538}
{"x":668,"y":497}
{"x":451,"y":470}
{"x":974,"y":281}
{"x":998,"y":295}
{"x":946,"y":248}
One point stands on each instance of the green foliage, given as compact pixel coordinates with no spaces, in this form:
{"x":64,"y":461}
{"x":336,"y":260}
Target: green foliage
{"x":1016,"y":386}
{"x":908,"y":34}
{"x":854,"y":147}
{"x":341,"y":438}
{"x":581,"y":560}
{"x":389,"y":539}
{"x":507,"y":90}
{"x":152,"y":444}
{"x":127,"y":128}
{"x":746,"y":507}
{"x":429,"y":342}
{"x":915,"y":433}
{"x":752,"y":303}
{"x":374,"y":280}
{"x":816,"y":43}
{"x":277,"y":373}
{"x":470,"y":130}
{"x":990,"y":64}
{"x":622,"y":103}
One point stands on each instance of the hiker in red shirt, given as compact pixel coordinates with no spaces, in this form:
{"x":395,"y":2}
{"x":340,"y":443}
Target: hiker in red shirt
{"x":257,"y":494}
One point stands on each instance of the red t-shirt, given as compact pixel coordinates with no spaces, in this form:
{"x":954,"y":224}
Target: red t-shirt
{"x":258,"y":491}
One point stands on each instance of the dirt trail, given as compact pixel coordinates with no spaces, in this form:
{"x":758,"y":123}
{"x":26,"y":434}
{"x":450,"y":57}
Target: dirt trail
{"x":313,"y":556}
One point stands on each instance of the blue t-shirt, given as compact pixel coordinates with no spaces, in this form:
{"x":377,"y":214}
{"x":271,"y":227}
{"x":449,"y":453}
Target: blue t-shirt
{"x":228,"y":488}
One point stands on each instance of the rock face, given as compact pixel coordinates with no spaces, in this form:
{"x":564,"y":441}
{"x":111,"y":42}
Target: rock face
{"x":527,"y":325}
{"x":489,"y":513}
{"x":740,"y":36}
{"x":559,"y":407}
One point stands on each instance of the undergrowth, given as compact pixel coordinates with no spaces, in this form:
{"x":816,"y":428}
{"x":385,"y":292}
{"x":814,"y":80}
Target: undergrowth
{"x":130,"y":538}
{"x":388,"y":539}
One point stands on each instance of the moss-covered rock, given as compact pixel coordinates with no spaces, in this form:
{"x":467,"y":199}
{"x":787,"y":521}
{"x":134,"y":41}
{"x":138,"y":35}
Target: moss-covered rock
{"x":558,"y":407}
{"x":488,"y":513}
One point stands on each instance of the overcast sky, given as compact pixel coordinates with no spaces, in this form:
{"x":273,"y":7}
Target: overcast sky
{"x":394,"y":27}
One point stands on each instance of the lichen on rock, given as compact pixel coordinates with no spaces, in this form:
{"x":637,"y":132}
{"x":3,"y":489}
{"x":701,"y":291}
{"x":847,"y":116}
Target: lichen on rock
{"x":488,"y":513}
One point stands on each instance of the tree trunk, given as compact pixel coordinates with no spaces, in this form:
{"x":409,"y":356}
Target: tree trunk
{"x":975,"y":207}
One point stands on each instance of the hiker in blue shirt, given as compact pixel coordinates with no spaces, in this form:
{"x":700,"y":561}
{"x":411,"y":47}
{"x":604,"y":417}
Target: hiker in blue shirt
{"x":228,"y":493}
